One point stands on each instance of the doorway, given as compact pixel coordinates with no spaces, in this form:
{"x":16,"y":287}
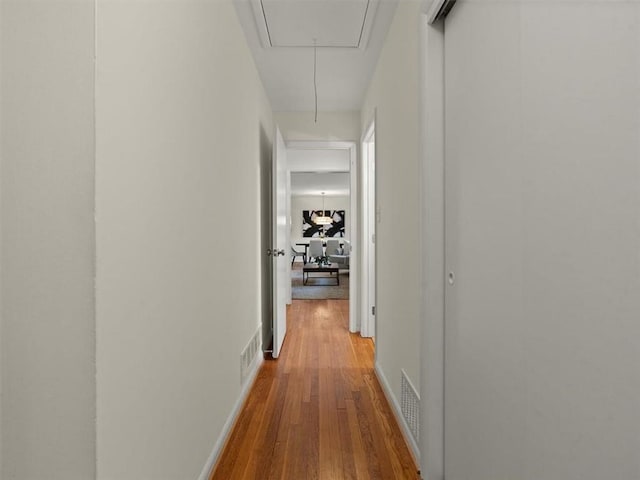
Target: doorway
{"x":320,"y":211}
{"x":334,"y":163}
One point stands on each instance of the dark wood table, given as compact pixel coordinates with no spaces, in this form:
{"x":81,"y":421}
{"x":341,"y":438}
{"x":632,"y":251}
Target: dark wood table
{"x":314,"y":268}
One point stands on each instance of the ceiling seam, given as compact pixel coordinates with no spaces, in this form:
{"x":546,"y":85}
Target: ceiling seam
{"x":364,"y":21}
{"x":266,"y":24}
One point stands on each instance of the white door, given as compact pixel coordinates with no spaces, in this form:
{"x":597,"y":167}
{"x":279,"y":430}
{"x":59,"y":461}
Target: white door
{"x":369,"y":218}
{"x":373,"y":218}
{"x":542,"y":181}
{"x":483,"y":257}
{"x":279,"y":247}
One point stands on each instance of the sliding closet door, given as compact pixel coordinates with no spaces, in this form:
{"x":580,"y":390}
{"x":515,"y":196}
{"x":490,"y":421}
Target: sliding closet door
{"x":483,"y":242}
{"x":542,"y":184}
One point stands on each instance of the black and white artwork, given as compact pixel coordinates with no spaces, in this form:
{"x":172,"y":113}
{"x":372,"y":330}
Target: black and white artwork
{"x":311,"y":229}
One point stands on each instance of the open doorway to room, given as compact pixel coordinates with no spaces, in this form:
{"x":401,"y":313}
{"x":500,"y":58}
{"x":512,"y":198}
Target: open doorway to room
{"x":320,"y":207}
{"x":323,"y":182}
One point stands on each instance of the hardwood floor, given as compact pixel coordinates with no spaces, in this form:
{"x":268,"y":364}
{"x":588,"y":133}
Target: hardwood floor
{"x":318,"y":411}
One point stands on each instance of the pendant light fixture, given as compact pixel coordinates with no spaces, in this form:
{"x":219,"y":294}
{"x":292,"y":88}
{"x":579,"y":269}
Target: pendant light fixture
{"x":323,"y":219}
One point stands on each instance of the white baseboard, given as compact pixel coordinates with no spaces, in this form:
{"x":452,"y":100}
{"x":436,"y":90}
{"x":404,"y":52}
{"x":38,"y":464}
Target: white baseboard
{"x":226,"y":429}
{"x":397,"y":411}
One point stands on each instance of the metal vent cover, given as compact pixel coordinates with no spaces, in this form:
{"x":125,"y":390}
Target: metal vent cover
{"x":249,"y":354}
{"x":410,"y":406}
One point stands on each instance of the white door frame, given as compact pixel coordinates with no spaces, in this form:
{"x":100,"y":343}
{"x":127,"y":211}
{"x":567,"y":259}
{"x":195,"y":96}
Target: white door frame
{"x":354,"y":287}
{"x":368,"y":220}
{"x":288,"y":235}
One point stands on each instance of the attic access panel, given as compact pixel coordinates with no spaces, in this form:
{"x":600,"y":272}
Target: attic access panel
{"x":332,"y":23}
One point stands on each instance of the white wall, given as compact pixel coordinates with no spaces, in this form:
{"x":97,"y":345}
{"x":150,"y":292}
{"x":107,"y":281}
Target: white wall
{"x":181,"y":116}
{"x":320,"y":160}
{"x":331,"y":126}
{"x":313,"y":202}
{"x":393,"y":94}
{"x":543,"y":337}
{"x":47,"y":253}
{"x":334,"y":183}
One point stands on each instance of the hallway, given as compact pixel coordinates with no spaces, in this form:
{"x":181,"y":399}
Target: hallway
{"x":318,"y":411}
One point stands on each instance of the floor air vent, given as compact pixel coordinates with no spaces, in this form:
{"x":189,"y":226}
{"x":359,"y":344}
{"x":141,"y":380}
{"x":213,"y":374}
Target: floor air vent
{"x":410,"y":406}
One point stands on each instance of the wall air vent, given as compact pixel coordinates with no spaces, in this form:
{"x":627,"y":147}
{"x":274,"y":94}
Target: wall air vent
{"x":410,"y":406}
{"x":249,"y":354}
{"x":439,"y":9}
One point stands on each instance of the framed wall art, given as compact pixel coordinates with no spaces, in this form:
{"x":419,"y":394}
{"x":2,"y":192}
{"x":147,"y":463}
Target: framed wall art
{"x":311,"y":229}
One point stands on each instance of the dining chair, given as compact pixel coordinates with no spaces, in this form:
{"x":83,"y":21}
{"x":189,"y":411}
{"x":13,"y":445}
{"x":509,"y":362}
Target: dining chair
{"x":333,"y":245}
{"x":295,"y":253}
{"x":342,"y":257}
{"x":315,"y":248}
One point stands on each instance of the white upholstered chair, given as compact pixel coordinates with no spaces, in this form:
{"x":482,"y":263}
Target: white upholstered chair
{"x":315,"y":248}
{"x":342,"y":259}
{"x":333,"y":247}
{"x":295,"y":253}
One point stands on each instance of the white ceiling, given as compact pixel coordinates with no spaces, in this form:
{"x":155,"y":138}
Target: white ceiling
{"x":349,"y":35}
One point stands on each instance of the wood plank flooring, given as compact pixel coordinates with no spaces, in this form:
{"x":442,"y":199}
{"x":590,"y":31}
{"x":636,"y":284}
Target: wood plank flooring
{"x":318,"y":412}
